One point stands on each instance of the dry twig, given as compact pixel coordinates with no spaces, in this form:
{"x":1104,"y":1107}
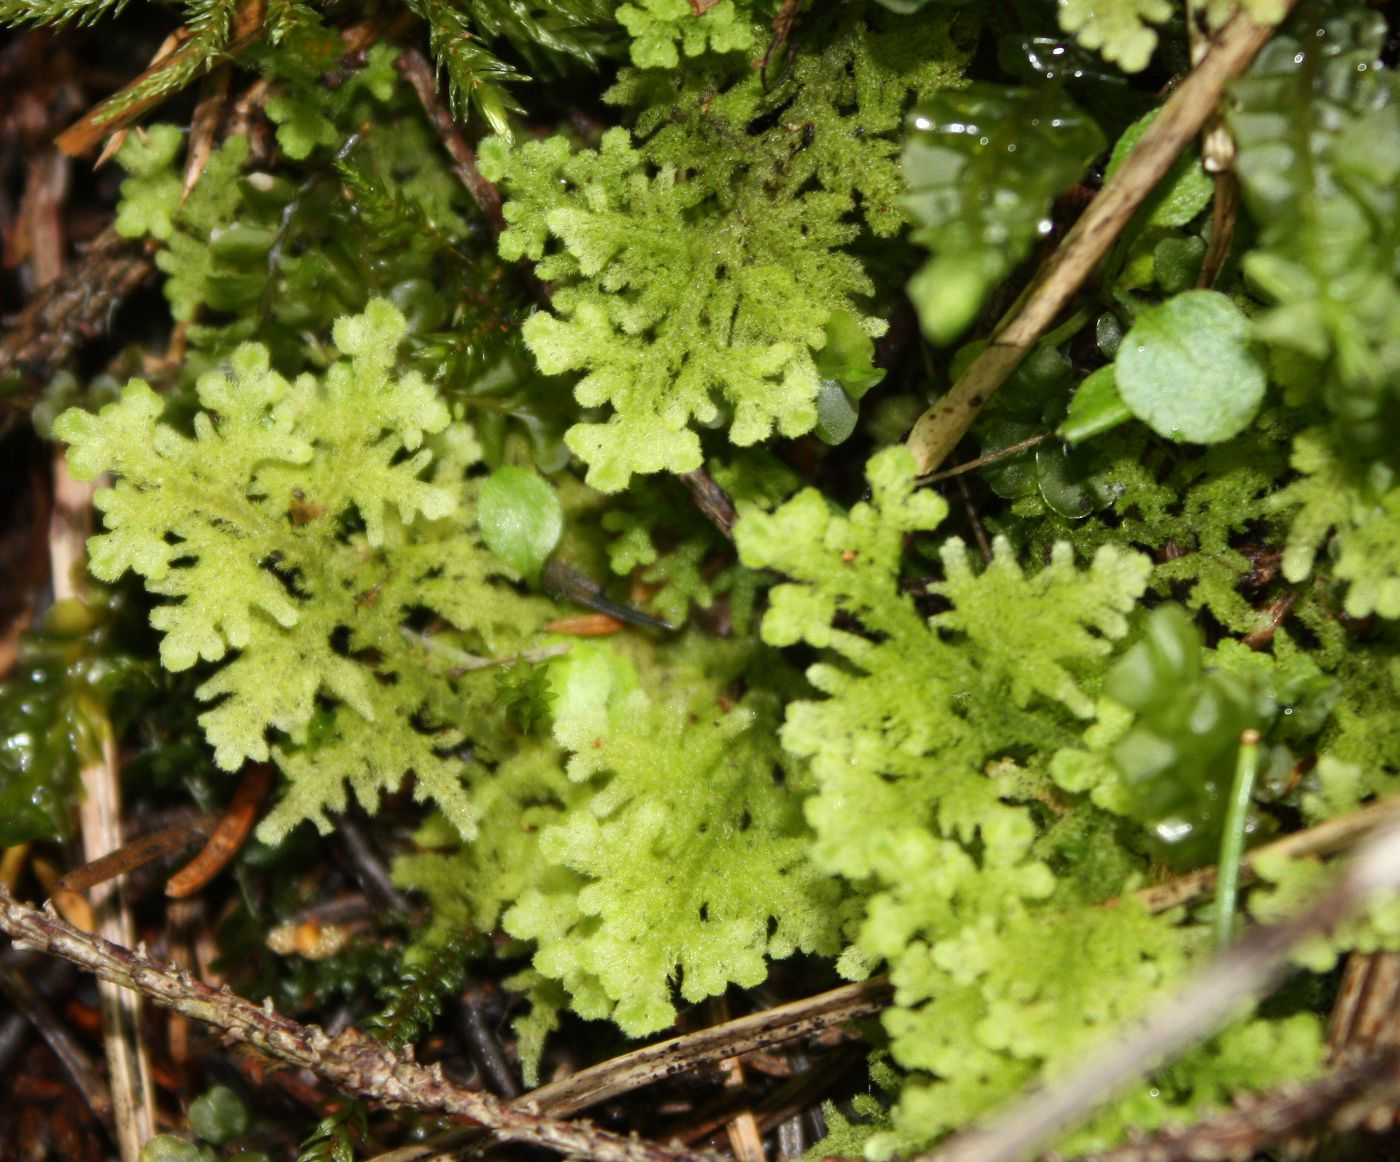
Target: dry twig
{"x":653,"y":1063}
{"x":667,"y":1059}
{"x":100,"y":819}
{"x":359,"y":1065}
{"x":416,"y":70}
{"x":939,"y":429}
{"x":66,"y":313}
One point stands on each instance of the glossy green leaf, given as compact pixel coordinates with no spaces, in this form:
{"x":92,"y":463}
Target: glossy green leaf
{"x":1096,"y":408}
{"x":983,"y":165}
{"x":849,"y":355}
{"x":1064,"y":482}
{"x":836,"y":414}
{"x":169,"y":1148}
{"x":520,"y":519}
{"x":1177,"y":760}
{"x":1189,"y":368}
{"x":1178,"y":197}
{"x":218,"y":1114}
{"x":1317,"y":126}
{"x":1176,"y":261}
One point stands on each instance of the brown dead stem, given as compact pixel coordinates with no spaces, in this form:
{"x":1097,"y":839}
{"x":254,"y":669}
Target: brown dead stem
{"x":1186,"y":112}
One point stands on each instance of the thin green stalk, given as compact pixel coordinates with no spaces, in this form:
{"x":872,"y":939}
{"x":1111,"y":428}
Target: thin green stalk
{"x":1232,"y":841}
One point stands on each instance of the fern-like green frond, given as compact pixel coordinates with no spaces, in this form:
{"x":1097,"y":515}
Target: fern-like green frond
{"x":57,"y":12}
{"x":694,"y":270}
{"x":291,"y":537}
{"x":1120,"y":29}
{"x":474,"y":74}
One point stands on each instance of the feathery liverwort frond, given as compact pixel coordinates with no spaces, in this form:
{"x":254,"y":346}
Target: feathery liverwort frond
{"x":664,"y":848}
{"x":697,"y":262}
{"x":930,"y":745}
{"x":292,"y":537}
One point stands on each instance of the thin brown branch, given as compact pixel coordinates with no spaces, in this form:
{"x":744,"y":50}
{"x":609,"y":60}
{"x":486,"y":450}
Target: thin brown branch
{"x":712,"y":501}
{"x":1358,"y":1095}
{"x":416,"y":70}
{"x":67,"y":313}
{"x":1224,"y":213}
{"x":653,"y":1063}
{"x":357,"y":1064}
{"x":134,"y":854}
{"x":669,"y":1059}
{"x":1327,"y":838}
{"x":1185,"y":113}
{"x":990,"y":458}
{"x":1232,"y":981}
{"x":118,"y":110}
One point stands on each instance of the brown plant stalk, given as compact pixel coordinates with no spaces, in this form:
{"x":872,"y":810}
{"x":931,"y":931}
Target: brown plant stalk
{"x":1185,"y":113}
{"x":357,"y":1064}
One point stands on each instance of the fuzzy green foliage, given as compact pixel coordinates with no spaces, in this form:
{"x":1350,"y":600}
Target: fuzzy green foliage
{"x":275,"y":254}
{"x":662,"y":851}
{"x":663,"y":29}
{"x":271,"y":249}
{"x":692,"y":867}
{"x":696,"y":264}
{"x":933,"y":733}
{"x":1199,"y":514}
{"x":1362,"y":508}
{"x":293,"y":538}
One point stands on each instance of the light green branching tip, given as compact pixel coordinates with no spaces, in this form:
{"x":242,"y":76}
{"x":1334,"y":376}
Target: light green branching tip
{"x":297,"y":513}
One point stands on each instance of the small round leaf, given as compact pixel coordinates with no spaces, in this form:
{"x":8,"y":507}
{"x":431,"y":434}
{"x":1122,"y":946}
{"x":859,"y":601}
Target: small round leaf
{"x":1189,"y":371}
{"x":218,"y":1115}
{"x":169,"y":1148}
{"x":836,"y":415}
{"x":520,"y":519}
{"x":1096,"y":408}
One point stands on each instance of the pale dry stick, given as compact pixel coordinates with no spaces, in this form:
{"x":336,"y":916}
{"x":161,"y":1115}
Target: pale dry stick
{"x":1226,"y":985}
{"x":357,"y":1064}
{"x":745,"y":1141}
{"x":99,"y":814}
{"x":1358,"y":1095}
{"x":938,"y":430}
{"x":653,"y":1063}
{"x":665,"y":1059}
{"x":413,"y":66}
